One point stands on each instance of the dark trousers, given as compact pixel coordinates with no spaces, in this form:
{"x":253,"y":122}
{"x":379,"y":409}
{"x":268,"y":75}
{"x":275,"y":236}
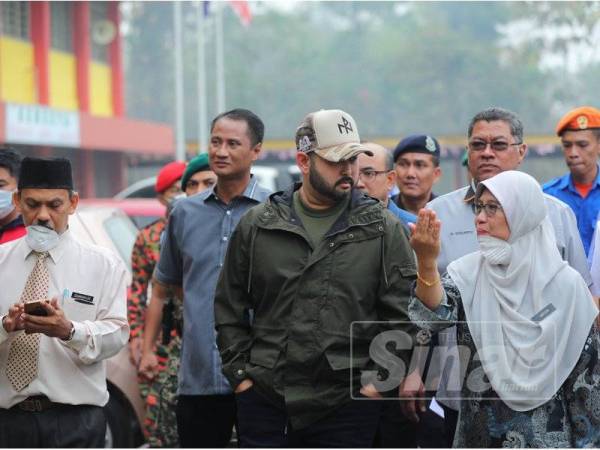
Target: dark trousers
{"x":450,"y":421}
{"x":64,"y":426}
{"x":205,"y":421}
{"x":396,"y":431}
{"x":261,"y":424}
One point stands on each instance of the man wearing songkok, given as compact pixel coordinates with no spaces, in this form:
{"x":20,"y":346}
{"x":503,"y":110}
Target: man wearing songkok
{"x":62,"y":305}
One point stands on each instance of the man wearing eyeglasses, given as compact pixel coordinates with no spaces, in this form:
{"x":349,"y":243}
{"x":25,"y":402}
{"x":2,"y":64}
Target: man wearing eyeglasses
{"x":376,"y":177}
{"x":417,"y":159}
{"x":495,"y":144}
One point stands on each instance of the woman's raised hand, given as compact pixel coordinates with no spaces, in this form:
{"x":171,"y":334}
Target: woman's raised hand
{"x":425,"y":236}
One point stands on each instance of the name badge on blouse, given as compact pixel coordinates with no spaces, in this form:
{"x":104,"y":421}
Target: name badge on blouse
{"x":543,"y":313}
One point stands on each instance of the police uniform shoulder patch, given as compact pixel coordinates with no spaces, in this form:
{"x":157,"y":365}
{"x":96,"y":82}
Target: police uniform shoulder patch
{"x":430,"y":144}
{"x":582,"y":121}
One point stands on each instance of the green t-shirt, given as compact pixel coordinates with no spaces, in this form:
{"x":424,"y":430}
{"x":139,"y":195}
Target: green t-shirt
{"x":317,"y":223}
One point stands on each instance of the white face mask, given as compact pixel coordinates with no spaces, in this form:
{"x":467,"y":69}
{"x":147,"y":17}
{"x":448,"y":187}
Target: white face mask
{"x":496,"y":251}
{"x":41,"y":239}
{"x":6,"y":203}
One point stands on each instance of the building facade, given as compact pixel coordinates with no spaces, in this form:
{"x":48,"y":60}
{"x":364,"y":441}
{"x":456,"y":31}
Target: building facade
{"x":62,"y":93}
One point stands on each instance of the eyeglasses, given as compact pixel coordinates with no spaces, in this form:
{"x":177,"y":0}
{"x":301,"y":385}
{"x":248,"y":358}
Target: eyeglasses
{"x":490,"y":208}
{"x":370,"y":175}
{"x":496,"y":146}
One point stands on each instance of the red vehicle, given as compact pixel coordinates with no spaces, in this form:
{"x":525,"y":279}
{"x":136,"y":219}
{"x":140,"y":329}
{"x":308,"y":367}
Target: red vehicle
{"x":142,"y":211}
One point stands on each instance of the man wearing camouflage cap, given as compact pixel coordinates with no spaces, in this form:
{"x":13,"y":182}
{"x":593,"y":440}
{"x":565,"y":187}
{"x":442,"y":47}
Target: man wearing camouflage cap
{"x":579,"y":132}
{"x":300,"y":270}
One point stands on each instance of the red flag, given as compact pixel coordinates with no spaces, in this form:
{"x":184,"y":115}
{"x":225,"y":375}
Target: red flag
{"x":242,"y":9}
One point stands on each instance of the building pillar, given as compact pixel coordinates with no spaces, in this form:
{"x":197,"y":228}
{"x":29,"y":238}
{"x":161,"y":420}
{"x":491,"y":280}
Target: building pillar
{"x":87,"y":174}
{"x":40,"y":38}
{"x":81,"y":46}
{"x":115,"y":59}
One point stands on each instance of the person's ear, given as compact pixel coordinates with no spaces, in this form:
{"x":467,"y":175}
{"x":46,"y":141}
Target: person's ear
{"x":390,"y":180}
{"x":73,"y":202}
{"x":256,"y":151}
{"x":303,"y":162}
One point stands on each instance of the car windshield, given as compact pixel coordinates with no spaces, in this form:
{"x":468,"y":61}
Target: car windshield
{"x":123,"y":234}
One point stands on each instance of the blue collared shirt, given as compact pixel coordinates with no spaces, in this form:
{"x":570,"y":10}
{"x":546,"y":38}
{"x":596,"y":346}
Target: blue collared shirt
{"x":585,"y":209}
{"x":194,"y":247}
{"x":402,"y":214}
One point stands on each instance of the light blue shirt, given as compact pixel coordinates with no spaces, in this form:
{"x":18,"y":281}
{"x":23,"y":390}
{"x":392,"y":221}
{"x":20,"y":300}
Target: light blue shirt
{"x":194,"y":247}
{"x":585,"y":209}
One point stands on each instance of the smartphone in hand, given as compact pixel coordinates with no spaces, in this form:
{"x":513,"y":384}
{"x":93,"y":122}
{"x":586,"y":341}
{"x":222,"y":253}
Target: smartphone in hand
{"x":35,"y":309}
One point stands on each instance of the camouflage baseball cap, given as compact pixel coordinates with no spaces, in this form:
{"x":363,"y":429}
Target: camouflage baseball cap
{"x":331,"y":134}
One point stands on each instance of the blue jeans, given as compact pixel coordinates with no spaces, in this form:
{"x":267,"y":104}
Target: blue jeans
{"x":261,"y":424}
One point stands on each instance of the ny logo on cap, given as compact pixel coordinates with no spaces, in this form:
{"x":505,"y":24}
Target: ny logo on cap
{"x":304,"y":144}
{"x":345,"y":125}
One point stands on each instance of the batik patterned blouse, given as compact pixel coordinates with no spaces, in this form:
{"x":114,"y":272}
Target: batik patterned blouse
{"x":571,"y":418}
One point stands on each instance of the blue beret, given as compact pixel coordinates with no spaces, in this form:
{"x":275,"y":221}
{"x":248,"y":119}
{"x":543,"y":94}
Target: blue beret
{"x":417,"y":143}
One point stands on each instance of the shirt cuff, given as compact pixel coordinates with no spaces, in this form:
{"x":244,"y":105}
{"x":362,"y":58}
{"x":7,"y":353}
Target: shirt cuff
{"x":80,"y":337}
{"x":3,"y":332}
{"x":165,"y":279}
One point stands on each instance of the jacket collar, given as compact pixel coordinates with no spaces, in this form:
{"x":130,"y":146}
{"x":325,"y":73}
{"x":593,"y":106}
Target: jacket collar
{"x":362,"y":209}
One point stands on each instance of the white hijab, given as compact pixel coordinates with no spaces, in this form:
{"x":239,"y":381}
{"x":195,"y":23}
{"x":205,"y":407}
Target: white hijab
{"x":507,"y":283}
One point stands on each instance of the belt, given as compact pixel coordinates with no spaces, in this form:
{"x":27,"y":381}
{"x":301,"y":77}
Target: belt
{"x":36,"y":403}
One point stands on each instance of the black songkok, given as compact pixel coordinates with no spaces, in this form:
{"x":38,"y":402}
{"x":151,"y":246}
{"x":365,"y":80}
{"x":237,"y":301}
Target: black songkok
{"x":40,"y":173}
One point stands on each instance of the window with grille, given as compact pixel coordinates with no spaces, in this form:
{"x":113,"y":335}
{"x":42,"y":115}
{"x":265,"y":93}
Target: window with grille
{"x":98,"y":13}
{"x":61,"y":26}
{"x":15,"y":19}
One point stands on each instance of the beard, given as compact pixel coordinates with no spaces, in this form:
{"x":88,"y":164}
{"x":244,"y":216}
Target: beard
{"x":327,"y":190}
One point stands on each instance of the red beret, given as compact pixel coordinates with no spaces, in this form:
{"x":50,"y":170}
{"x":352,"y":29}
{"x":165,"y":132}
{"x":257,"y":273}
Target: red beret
{"x":581,"y":118}
{"x":168,"y":175}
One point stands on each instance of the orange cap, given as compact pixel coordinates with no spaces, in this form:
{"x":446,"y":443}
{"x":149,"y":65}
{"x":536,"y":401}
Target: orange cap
{"x":581,"y":118}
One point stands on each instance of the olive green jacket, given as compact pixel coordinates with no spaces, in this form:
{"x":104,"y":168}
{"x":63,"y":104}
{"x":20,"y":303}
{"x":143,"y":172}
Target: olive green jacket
{"x":284,"y":311}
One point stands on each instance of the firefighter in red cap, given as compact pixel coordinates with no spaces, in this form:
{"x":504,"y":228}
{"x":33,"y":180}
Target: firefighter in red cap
{"x":579,"y":132}
{"x":144,"y":257}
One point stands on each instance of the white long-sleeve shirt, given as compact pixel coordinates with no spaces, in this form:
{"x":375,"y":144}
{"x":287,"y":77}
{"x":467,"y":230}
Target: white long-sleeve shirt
{"x":91,"y":284}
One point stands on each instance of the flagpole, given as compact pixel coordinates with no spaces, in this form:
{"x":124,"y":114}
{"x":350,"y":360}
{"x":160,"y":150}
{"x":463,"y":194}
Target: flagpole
{"x":179,"y":112}
{"x":220,"y":64}
{"x":202,"y":107}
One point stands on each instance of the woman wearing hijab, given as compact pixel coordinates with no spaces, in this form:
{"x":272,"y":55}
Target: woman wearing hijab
{"x":526,"y":318}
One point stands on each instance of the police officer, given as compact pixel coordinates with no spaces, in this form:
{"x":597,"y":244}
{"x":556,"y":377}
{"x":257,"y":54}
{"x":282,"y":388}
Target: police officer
{"x":417,"y":159}
{"x":579,"y":132}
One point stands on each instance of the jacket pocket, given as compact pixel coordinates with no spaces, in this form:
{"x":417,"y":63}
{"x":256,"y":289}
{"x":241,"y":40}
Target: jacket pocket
{"x":408,"y":272}
{"x":263,"y":356}
{"x":342,"y":360}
